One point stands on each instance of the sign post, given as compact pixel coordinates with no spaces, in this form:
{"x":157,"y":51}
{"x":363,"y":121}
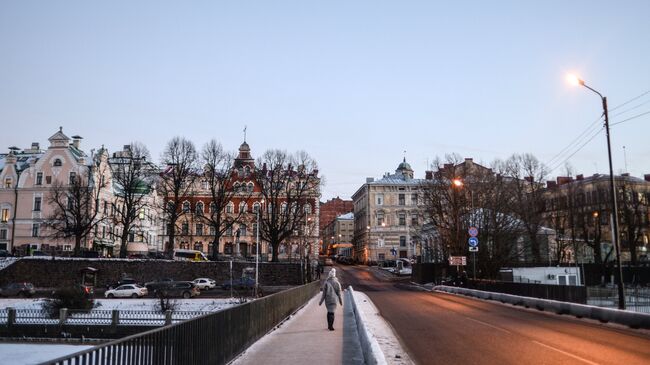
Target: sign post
{"x":473,"y":246}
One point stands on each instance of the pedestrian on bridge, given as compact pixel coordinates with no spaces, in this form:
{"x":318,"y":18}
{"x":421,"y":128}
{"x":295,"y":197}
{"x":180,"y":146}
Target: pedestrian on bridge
{"x":331,"y":292}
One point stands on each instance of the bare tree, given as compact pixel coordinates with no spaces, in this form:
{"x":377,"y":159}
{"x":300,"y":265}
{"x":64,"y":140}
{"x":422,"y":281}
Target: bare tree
{"x":527,"y":176}
{"x":133,"y":178}
{"x":633,"y":217}
{"x":287,"y":184}
{"x":223,"y":184}
{"x":176,"y":182}
{"x":75,"y":205}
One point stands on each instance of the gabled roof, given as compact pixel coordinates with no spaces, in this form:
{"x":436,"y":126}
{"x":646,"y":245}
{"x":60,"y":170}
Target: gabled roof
{"x":59,"y":136}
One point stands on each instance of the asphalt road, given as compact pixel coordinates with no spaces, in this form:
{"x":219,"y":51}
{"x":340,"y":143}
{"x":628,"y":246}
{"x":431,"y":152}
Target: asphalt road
{"x":440,"y":328}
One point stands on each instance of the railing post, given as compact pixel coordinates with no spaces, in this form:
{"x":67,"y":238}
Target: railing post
{"x":168,"y":317}
{"x":11,"y":316}
{"x":115,"y":317}
{"x":63,"y":316}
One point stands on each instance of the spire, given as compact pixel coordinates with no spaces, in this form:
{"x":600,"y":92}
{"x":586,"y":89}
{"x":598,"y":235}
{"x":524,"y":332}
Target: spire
{"x":245,"y":126}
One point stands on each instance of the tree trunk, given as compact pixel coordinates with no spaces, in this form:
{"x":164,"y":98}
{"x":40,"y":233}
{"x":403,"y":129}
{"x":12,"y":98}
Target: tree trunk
{"x":215,"y":246}
{"x":275,"y":247}
{"x":123,"y":243}
{"x":77,"y":245}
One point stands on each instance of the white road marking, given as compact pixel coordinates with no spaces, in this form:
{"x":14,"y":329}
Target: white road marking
{"x":566,"y":353}
{"x":489,"y":325}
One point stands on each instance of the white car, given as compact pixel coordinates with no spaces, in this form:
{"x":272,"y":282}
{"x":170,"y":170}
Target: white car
{"x":204,"y":283}
{"x":127,"y":291}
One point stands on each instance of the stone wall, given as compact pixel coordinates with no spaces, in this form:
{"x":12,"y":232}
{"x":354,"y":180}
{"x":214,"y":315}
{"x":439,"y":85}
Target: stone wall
{"x":62,"y":272}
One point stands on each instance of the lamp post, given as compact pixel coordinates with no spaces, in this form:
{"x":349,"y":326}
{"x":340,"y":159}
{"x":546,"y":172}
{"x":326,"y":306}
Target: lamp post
{"x":257,"y":248}
{"x":615,"y":237}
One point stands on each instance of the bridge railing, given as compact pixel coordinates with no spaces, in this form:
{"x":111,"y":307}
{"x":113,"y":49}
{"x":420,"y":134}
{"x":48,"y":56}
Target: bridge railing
{"x":211,"y":339}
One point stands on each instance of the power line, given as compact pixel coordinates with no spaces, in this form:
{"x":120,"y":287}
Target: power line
{"x":630,"y":118}
{"x":576,"y":151}
{"x":631,"y":100}
{"x":574,"y":141}
{"x":630,"y":109}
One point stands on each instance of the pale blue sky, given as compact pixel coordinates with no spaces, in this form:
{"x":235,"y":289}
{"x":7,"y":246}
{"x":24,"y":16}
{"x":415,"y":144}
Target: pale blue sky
{"x":354,"y":83}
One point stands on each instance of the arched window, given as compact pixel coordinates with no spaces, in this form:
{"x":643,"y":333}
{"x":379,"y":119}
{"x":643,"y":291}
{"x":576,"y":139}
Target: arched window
{"x":243,"y":207}
{"x":57,"y":162}
{"x":256,"y":207}
{"x":230,"y":208}
{"x":236,"y":186}
{"x":213,"y":207}
{"x":251,"y":187}
{"x":247,"y":170}
{"x":199,"y":208}
{"x":198,"y":246}
{"x":283,"y":208}
{"x":307,"y":208}
{"x":186,"y":207}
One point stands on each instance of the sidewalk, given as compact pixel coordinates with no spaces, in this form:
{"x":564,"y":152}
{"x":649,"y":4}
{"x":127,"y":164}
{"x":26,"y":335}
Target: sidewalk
{"x":305,"y":339}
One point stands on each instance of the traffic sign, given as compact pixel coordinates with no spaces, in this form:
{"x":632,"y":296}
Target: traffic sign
{"x":473,"y":249}
{"x":473,"y":231}
{"x":473,"y":241}
{"x":458,"y":260}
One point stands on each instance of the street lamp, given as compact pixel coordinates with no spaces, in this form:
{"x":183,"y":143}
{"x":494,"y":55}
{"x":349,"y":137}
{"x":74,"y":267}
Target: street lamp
{"x":575,"y":80}
{"x":257,"y":248}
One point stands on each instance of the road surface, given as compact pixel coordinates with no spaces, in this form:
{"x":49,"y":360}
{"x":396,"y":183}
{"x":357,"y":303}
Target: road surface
{"x":438,"y":328}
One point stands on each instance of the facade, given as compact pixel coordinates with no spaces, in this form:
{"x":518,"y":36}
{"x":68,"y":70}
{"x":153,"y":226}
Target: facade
{"x":387,"y":216}
{"x":328,"y":213}
{"x":579,"y":209}
{"x":338,"y":235}
{"x":193,"y":231}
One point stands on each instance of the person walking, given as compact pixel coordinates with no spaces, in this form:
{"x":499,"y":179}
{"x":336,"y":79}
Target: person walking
{"x":331,"y":292}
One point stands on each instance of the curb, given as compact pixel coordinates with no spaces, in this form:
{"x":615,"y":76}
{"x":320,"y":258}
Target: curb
{"x":372,"y":353}
{"x":631,"y":319}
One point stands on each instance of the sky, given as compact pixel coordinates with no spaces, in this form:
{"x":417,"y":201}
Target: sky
{"x":359,"y":85}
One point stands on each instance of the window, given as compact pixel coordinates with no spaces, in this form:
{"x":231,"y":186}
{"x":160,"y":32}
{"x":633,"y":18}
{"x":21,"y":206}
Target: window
{"x":307,"y":208}
{"x":380,"y":218}
{"x":39,"y":178}
{"x":8,"y":183}
{"x":414,"y":219}
{"x":186,"y":207}
{"x":185,"y":228}
{"x":402,"y":241}
{"x":198,"y":246}
{"x":380,"y":199}
{"x":414,"y":199}
{"x":67,"y":247}
{"x":199,"y":229}
{"x":35,"y":228}
{"x":37,"y":204}
{"x":131,"y":237}
{"x":57,"y":163}
{"x":105,"y":207}
{"x":256,"y":207}
{"x":204,"y":185}
{"x":212,"y":231}
{"x":229,"y":208}
{"x":402,"y":219}
{"x":73,"y":177}
{"x":283,"y":208}
{"x":199,"y":208}
{"x":402,"y":199}
{"x":4,"y":217}
{"x":242,"y":230}
{"x":254,"y":231}
{"x":251,"y":187}
{"x":227,"y":248}
{"x":48,"y":179}
{"x":229,"y":231}
{"x":382,"y":257}
{"x":70,"y":203}
{"x":103,"y":231}
{"x":243,"y":208}
{"x":3,"y":234}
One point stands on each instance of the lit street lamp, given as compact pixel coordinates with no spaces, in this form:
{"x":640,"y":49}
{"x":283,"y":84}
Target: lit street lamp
{"x":575,"y":80}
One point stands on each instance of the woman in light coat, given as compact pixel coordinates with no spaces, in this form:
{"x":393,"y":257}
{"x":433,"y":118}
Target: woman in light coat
{"x":331,"y":292}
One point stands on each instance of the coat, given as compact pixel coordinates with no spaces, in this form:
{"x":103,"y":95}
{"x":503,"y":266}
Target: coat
{"x":331,"y":292}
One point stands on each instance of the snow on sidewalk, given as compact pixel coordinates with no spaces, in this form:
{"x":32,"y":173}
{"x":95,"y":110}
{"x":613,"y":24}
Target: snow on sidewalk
{"x":381,"y":330}
{"x":35,"y":353}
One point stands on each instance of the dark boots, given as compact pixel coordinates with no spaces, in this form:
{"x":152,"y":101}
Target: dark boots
{"x":330,"y":321}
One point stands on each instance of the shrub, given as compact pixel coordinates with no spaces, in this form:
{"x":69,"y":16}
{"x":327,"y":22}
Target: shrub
{"x":164,"y":303}
{"x":75,"y":299}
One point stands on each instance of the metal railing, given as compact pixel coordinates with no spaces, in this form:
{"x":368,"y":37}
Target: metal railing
{"x":211,"y":339}
{"x":11,"y":316}
{"x":636,"y":299}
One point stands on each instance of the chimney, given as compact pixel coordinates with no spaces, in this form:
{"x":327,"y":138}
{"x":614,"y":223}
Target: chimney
{"x":561,"y":180}
{"x":369,"y":179}
{"x":35,"y":147}
{"x":469,"y":161}
{"x":646,"y":177}
{"x":551,"y":184}
{"x":76,"y":140}
{"x":428,"y":175}
{"x":448,"y":166}
{"x":580,"y":177}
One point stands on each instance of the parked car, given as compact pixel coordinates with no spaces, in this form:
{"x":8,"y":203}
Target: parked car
{"x":5,"y":253}
{"x":127,"y":291}
{"x":245,"y":283}
{"x":204,"y":283}
{"x":18,"y":289}
{"x":121,"y":282}
{"x":185,"y":289}
{"x":154,"y":286}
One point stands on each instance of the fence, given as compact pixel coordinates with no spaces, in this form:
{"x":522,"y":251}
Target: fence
{"x":211,"y":339}
{"x":636,"y":299}
{"x":564,"y":293}
{"x":11,"y":317}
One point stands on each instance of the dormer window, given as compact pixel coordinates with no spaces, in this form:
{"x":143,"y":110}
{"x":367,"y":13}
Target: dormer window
{"x":8,"y":183}
{"x":58,"y":163}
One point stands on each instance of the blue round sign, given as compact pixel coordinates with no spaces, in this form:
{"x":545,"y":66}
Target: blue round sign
{"x":473,"y":241}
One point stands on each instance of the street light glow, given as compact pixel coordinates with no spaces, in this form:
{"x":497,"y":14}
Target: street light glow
{"x":574,"y":80}
{"x":457,"y":183}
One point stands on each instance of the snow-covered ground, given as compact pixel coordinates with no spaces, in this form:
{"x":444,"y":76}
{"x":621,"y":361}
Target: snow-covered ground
{"x":381,"y":330}
{"x":145,"y":304}
{"x":34,"y":353}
